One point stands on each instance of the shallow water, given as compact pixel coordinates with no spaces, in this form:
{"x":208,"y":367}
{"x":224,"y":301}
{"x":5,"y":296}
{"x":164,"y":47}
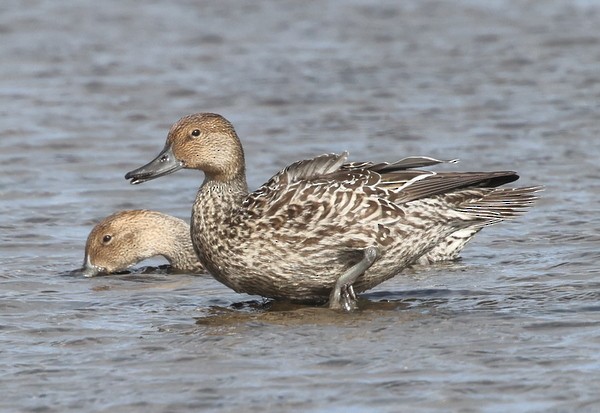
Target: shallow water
{"x":89,"y":92}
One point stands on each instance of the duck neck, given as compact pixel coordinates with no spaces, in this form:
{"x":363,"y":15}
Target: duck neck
{"x":179,"y":249}
{"x":171,"y":239}
{"x":224,"y":195}
{"x":215,"y":217}
{"x":217,"y":201}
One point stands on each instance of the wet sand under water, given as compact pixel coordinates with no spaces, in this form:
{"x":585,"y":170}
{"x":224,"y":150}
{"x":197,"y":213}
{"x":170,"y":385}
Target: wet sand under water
{"x":89,"y":93}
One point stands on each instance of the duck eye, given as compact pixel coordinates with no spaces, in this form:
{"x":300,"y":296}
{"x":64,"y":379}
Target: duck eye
{"x":106,"y":239}
{"x":196,"y":132}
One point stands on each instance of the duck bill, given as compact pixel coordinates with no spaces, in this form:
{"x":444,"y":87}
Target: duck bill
{"x":89,"y":270}
{"x":165,"y":163}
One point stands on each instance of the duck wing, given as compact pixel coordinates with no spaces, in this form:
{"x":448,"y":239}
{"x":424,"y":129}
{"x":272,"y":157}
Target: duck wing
{"x":408,"y":186}
{"x":301,"y":170}
{"x":319,"y":166}
{"x":410,"y":162}
{"x":310,"y":182}
{"x":326,"y":164}
{"x":315,"y":167}
{"x":393,"y":182}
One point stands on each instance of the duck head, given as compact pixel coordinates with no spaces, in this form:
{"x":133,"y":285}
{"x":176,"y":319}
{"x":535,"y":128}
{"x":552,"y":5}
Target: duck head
{"x":204,"y":141}
{"x":122,"y":240}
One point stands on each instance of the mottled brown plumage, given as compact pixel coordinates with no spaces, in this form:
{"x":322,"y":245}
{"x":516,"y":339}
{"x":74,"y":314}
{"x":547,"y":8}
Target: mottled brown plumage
{"x":317,"y":219}
{"x":125,"y":238}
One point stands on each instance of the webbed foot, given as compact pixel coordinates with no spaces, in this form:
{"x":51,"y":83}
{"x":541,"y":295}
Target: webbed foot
{"x":348,"y":299}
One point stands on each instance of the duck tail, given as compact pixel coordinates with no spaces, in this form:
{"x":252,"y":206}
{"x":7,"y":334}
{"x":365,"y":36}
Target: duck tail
{"x":499,"y":204}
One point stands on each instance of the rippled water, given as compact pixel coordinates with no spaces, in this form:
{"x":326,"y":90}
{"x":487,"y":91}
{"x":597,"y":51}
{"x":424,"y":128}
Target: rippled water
{"x":89,"y":91}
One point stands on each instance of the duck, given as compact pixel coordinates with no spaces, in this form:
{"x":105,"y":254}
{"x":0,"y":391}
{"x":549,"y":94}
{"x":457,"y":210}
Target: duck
{"x":127,"y":237}
{"x":322,"y":230}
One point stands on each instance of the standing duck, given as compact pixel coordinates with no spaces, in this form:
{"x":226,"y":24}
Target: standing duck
{"x":323,"y":228}
{"x":125,"y":238}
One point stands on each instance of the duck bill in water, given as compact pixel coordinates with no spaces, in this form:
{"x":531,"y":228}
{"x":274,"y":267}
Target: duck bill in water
{"x":89,"y":270}
{"x":164,"y":164}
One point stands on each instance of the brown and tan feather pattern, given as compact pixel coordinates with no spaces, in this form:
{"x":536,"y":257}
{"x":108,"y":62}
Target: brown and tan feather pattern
{"x":313,"y":221}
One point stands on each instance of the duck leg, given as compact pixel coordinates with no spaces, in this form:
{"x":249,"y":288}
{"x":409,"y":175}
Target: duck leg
{"x":342,"y":296}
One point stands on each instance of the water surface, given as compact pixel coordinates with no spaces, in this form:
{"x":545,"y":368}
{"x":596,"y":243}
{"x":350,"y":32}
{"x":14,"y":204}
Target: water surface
{"x":89,"y":92}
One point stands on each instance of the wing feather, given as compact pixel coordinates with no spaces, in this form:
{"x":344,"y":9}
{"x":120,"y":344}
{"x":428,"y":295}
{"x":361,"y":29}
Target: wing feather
{"x":390,"y":183}
{"x":429,"y":184}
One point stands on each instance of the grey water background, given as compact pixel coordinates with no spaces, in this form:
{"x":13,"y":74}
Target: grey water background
{"x":88,"y":92}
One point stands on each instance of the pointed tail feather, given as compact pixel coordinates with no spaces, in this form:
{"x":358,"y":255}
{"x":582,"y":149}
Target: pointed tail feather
{"x":499,"y":204}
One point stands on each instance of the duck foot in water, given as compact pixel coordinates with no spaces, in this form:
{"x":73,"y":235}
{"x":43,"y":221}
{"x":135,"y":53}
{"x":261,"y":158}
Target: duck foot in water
{"x":342,"y":296}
